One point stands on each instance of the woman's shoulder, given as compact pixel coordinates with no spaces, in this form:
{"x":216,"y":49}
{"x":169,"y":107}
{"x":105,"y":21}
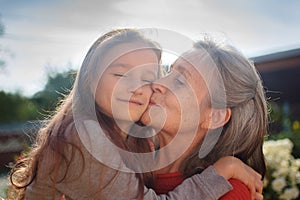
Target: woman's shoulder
{"x":240,"y":191}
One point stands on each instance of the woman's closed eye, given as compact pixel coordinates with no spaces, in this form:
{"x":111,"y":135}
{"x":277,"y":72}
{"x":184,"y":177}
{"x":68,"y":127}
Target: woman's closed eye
{"x":180,"y":80}
{"x":148,"y":81}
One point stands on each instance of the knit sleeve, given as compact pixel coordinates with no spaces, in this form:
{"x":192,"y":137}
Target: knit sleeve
{"x":240,"y":191}
{"x":207,"y":185}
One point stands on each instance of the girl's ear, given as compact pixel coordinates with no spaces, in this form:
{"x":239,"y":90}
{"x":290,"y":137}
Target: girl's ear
{"x":218,"y":118}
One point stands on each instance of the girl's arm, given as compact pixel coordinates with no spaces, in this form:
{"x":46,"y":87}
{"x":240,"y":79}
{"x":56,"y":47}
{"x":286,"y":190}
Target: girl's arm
{"x":233,"y":168}
{"x":207,"y":185}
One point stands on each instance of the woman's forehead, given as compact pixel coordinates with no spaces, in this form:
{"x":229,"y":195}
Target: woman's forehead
{"x":198,"y":67}
{"x":189,"y":64}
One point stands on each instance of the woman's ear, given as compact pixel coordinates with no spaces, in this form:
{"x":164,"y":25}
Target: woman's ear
{"x":218,"y":118}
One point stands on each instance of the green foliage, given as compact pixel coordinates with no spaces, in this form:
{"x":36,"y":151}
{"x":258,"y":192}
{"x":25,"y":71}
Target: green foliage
{"x":57,"y":87}
{"x":15,"y":107}
{"x":283,"y":126}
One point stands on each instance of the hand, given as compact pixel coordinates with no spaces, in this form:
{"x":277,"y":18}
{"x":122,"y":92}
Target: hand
{"x":231,"y":167}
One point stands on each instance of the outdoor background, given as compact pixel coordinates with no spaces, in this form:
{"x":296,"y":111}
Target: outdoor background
{"x":42,"y":44}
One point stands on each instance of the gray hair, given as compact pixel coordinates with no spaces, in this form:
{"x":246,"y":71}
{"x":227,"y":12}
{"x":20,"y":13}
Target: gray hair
{"x":244,"y":133}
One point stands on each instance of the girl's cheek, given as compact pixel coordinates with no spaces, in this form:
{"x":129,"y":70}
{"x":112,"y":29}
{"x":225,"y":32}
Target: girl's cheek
{"x":147,"y":89}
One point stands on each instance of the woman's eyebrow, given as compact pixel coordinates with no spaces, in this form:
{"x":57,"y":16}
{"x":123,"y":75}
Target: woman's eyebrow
{"x":183,"y":70}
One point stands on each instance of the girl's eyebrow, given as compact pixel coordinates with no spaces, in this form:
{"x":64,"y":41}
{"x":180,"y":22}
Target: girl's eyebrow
{"x":122,"y":65}
{"x":119,"y":65}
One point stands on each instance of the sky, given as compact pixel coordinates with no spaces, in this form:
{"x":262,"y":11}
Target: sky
{"x":42,"y":36}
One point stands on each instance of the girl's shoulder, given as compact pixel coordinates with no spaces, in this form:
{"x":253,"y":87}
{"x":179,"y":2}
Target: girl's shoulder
{"x":97,"y":146}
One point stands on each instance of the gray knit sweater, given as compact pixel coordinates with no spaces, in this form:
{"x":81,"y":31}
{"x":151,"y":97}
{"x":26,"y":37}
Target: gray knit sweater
{"x":98,"y":181}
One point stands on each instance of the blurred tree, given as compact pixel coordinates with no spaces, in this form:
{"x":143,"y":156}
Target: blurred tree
{"x":2,"y":62}
{"x":57,"y":86}
{"x":14,"y":107}
{"x":282,"y":125}
{"x":1,"y":27}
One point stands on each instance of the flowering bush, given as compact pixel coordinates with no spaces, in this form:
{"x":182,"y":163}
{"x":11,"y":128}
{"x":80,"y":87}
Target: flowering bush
{"x":282,"y":180}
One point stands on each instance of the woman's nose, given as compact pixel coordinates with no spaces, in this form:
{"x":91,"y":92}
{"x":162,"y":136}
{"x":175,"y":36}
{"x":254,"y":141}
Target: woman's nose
{"x":158,"y":87}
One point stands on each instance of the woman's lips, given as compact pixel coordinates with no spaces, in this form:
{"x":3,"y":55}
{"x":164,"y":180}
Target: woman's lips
{"x":152,"y":102}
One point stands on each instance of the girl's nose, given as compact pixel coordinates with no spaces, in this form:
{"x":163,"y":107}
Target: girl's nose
{"x":134,"y":86}
{"x":137,"y":86}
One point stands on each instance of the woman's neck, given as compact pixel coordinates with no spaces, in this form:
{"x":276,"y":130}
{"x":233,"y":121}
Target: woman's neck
{"x":182,"y":148}
{"x":165,"y":139}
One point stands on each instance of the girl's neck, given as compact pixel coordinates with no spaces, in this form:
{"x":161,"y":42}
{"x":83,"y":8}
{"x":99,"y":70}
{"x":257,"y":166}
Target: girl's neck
{"x":124,"y":126}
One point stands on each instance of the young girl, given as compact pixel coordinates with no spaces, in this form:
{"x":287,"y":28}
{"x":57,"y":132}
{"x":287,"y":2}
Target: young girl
{"x":75,"y":158}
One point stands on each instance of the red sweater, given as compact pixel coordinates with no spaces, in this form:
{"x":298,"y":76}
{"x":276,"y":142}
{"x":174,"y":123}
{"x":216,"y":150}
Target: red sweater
{"x":167,"y":182}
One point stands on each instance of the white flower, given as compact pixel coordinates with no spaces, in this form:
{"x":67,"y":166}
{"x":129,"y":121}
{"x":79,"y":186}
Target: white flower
{"x":297,"y":177}
{"x":290,"y":193}
{"x":278,"y":184}
{"x":283,"y":169}
{"x":297,"y":163}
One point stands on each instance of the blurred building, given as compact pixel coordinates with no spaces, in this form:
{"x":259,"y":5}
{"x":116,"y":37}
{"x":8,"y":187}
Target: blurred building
{"x":14,"y":138}
{"x":281,"y":77}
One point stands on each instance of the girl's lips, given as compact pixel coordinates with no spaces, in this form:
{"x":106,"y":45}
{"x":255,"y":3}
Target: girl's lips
{"x":135,"y":102}
{"x":131,"y":102}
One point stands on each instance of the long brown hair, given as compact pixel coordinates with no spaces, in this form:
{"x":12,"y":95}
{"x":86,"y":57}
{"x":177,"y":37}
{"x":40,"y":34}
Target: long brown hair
{"x":51,"y":141}
{"x":244,"y":134}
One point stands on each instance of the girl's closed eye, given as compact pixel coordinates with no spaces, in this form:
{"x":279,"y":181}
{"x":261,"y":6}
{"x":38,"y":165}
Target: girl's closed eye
{"x":119,"y":75}
{"x":148,"y":77}
{"x":148,"y":80}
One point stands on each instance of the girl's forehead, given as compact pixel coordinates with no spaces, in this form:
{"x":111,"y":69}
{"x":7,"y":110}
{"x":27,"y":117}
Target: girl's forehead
{"x":127,"y":49}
